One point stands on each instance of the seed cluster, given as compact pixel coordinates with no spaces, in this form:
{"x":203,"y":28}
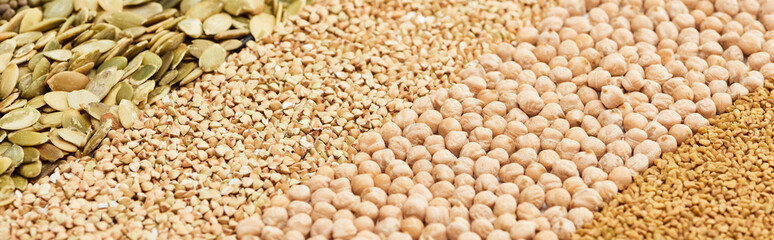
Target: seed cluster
{"x":549,"y":129}
{"x":188,"y":166}
{"x":716,"y":185}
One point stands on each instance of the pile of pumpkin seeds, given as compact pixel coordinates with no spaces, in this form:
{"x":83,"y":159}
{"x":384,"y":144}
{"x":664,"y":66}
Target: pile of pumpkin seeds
{"x":71,"y":70}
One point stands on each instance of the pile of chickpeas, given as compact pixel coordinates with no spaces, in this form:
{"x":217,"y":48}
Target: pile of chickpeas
{"x":544,"y":132}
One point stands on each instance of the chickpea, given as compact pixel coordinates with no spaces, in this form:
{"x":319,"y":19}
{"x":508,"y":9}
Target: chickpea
{"x":567,"y":148}
{"x":621,"y":176}
{"x":546,"y":235}
{"x":564,"y":169}
{"x":695,"y":121}
{"x":587,"y":198}
{"x":593,"y":145}
{"x":706,"y":107}
{"x":563,"y":228}
{"x":580,"y":216}
{"x":548,"y":158}
{"x":527,"y":211}
{"x":523,"y":229}
{"x":592,"y":175}
{"x":574,"y":184}
{"x":482,"y":227}
{"x":637,"y":163}
{"x":486,"y":182}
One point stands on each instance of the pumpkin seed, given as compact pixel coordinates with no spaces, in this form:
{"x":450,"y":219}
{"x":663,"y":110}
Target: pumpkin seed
{"x":205,"y":9}
{"x":51,"y":119}
{"x":77,"y":99}
{"x":191,"y":27}
{"x":5,"y":164}
{"x":117,"y":62}
{"x":261,"y":25}
{"x":58,"y":8}
{"x":8,"y":80}
{"x":59,"y":55}
{"x":212,"y":57}
{"x":49,"y":152}
{"x":217,"y":23}
{"x":4,"y":59}
{"x":101,"y":84}
{"x":74,"y":120}
{"x":61,"y":143}
{"x":36,"y":102}
{"x":68,"y":81}
{"x":31,"y":154}
{"x":7,"y":195}
{"x":15,"y":153}
{"x":98,"y":135}
{"x":30,"y":170}
{"x":127,"y":113}
{"x":142,"y":74}
{"x":27,"y":138}
{"x":57,"y":100}
{"x":111,"y":6}
{"x":31,"y":17}
{"x":74,"y":137}
{"x":19,"y":118}
{"x":19,"y":182}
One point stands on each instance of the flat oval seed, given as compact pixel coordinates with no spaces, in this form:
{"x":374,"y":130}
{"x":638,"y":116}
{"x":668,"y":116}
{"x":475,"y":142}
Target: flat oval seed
{"x":9,"y":80}
{"x":57,"y":100}
{"x":53,"y":119}
{"x":74,"y":137}
{"x":19,"y":182}
{"x":30,"y":170}
{"x":98,"y":135}
{"x":5,"y":163}
{"x":49,"y":152}
{"x":27,"y":138}
{"x":212,"y":57}
{"x":31,"y":154}
{"x":61,"y":143}
{"x":261,"y":25}
{"x":19,"y":118}
{"x":77,"y":99}
{"x":217,"y":23}
{"x":191,"y":27}
{"x":61,"y":55}
{"x":127,"y":113}
{"x":68,"y":81}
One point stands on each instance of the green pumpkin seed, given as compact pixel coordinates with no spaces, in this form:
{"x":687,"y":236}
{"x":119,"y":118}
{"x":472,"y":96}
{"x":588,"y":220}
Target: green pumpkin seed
{"x":61,"y":143}
{"x":74,"y":137}
{"x":8,"y":80}
{"x":5,"y":58}
{"x":205,"y":9}
{"x":58,"y":9}
{"x":193,"y":75}
{"x":57,"y":100}
{"x":49,"y":152}
{"x":158,"y":93}
{"x":7,"y":195}
{"x":31,"y":154}
{"x":142,"y":74}
{"x":51,"y":119}
{"x":261,"y":25}
{"x":111,"y":6}
{"x":142,"y":91}
{"x":19,"y":182}
{"x":31,"y":17}
{"x":91,"y":5}
{"x":117,"y":62}
{"x":30,"y":170}
{"x":127,"y":113}
{"x":216,"y":24}
{"x":5,"y":164}
{"x":59,"y":55}
{"x":19,"y":118}
{"x":27,"y":138}
{"x":74,"y":120}
{"x":124,"y":20}
{"x":77,"y":99}
{"x":15,"y":153}
{"x":101,"y":84}
{"x":68,"y":81}
{"x":36,"y":102}
{"x":191,"y":27}
{"x":48,"y":24}
{"x":98,"y":135}
{"x":212,"y":58}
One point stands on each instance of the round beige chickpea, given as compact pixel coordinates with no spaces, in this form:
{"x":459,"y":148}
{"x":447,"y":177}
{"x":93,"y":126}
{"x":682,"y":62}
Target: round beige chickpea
{"x":621,"y":176}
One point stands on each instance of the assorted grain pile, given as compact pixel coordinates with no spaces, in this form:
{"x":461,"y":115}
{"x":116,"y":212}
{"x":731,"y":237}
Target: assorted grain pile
{"x":541,"y":134}
{"x":207,"y":156}
{"x":716,"y":185}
